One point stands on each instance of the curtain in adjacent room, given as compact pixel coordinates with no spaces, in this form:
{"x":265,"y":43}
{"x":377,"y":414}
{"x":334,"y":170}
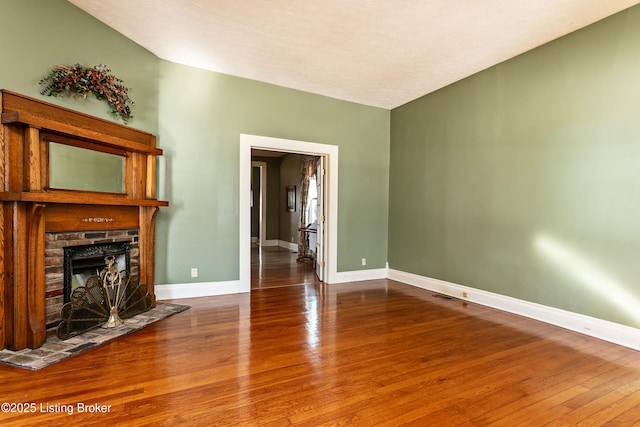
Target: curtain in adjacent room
{"x":308,"y":170}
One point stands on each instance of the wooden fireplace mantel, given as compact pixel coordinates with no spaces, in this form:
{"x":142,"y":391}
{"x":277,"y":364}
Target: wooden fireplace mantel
{"x":30,"y":208}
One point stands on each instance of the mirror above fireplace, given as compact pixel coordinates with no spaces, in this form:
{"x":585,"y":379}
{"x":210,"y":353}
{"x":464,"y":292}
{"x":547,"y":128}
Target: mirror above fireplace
{"x":92,"y":170}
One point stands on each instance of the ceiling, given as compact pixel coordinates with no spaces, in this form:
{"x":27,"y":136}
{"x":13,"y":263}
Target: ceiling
{"x":380,"y":53}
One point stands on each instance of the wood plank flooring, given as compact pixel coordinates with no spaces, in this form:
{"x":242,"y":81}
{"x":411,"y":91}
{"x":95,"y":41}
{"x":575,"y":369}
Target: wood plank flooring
{"x":273,"y":266}
{"x":355,"y":354}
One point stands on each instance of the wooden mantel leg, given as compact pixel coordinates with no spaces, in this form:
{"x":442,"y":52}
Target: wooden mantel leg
{"x":36,"y":284}
{"x":25,"y":307}
{"x":16,"y":293}
{"x":4,"y":280}
{"x":146,"y":244}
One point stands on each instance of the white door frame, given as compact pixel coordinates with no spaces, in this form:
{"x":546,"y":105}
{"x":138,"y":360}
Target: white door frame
{"x":247,"y":142}
{"x":320,"y":241}
{"x":262,"y":201}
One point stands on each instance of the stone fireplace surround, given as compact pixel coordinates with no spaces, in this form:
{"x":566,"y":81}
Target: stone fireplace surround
{"x":32,"y":213}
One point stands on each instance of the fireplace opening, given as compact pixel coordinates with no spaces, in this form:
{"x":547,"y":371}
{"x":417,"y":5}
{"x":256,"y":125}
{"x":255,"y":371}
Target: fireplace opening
{"x":84,"y":261}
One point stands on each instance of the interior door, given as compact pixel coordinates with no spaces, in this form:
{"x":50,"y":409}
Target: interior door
{"x":320,"y":255}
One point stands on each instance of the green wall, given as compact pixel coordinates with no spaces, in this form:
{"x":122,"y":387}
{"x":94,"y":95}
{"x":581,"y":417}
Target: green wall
{"x":524,"y":179}
{"x":255,"y":201}
{"x":40,"y":34}
{"x":290,"y":175}
{"x":198,"y":117}
{"x":201,"y":117}
{"x":273,"y":196}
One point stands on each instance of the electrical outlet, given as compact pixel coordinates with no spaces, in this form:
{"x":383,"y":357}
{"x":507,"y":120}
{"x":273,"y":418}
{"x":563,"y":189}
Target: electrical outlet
{"x":194,"y":272}
{"x":364,"y":261}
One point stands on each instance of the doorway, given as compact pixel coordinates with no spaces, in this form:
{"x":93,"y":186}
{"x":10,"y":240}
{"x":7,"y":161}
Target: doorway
{"x":329,"y":153}
{"x":287,"y":219}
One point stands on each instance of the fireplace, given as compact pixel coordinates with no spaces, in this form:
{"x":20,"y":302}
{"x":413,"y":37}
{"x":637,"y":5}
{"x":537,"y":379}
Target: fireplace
{"x":82,"y":262}
{"x":71,"y":257}
{"x":38,"y":220}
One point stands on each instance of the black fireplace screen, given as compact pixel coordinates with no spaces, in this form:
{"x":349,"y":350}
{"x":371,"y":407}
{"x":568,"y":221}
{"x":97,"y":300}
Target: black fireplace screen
{"x":82,"y":262}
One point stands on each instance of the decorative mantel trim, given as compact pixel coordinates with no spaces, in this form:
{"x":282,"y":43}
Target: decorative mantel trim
{"x":98,"y":219}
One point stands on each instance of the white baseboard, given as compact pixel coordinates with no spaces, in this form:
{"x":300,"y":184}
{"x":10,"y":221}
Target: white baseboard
{"x":275,"y":242}
{"x":195,"y":290}
{"x":207,"y":289}
{"x":359,"y":275}
{"x":598,"y":328}
{"x":255,"y":240}
{"x":288,"y":245}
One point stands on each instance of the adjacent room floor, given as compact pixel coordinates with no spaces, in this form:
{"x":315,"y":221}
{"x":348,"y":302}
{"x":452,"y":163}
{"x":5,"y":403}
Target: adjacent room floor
{"x":274,"y":266}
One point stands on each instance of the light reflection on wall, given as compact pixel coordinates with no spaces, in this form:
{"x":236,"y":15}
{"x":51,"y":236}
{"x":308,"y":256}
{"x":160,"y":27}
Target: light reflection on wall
{"x":193,"y":58}
{"x":587,"y":273}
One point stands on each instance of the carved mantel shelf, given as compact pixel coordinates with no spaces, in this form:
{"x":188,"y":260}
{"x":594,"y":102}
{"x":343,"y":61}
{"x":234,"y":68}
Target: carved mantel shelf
{"x":30,"y":208}
{"x":80,"y":198}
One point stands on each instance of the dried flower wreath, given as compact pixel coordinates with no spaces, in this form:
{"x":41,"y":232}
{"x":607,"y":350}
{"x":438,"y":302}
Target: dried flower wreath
{"x":67,"y":80}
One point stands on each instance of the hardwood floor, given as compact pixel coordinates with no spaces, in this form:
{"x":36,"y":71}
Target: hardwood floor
{"x":363,"y":354}
{"x":273,"y":266}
